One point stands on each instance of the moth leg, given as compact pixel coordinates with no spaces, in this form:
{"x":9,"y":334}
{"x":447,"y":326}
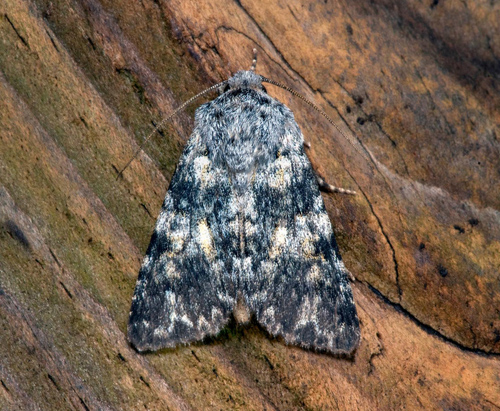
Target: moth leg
{"x":350,"y":276}
{"x":324,"y":186}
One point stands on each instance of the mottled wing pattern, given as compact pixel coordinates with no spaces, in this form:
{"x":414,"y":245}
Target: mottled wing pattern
{"x":300,"y":289}
{"x":244,"y":217}
{"x":182,"y":293}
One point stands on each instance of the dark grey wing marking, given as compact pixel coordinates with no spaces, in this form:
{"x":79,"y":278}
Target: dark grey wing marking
{"x":300,"y":289}
{"x":183,"y":292}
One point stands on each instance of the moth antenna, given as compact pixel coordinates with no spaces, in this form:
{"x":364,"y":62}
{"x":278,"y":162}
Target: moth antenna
{"x":349,"y":139}
{"x":254,"y":61}
{"x":168,"y":118}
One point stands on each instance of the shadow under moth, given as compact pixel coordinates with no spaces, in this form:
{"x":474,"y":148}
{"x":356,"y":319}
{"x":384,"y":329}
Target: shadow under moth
{"x":243,"y":223}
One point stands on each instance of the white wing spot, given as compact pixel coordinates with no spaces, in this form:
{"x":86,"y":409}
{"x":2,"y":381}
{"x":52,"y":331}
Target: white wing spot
{"x":279,"y":241}
{"x":314,"y":274}
{"x":205,"y":239}
{"x":281,"y":179}
{"x":185,"y":319}
{"x":171,"y":271}
{"x":201,"y":166}
{"x":203,"y":323}
{"x":161,"y":332}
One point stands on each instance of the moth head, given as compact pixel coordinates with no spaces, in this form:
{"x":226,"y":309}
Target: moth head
{"x":244,"y":80}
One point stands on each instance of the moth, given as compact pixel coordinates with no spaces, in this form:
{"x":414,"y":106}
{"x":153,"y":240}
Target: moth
{"x":243,"y":224}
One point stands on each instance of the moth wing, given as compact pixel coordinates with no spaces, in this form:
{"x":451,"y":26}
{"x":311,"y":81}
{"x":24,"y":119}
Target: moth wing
{"x":300,"y":290}
{"x":182,"y":293}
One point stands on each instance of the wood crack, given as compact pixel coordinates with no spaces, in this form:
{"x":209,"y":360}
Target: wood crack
{"x":23,"y":40}
{"x":428,"y":329}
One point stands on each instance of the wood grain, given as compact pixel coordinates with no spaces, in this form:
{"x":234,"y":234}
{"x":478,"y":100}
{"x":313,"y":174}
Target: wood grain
{"x":415,"y":84}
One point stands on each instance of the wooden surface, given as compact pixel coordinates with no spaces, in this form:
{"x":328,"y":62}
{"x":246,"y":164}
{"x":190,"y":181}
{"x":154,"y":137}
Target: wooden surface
{"x":417,"y":84}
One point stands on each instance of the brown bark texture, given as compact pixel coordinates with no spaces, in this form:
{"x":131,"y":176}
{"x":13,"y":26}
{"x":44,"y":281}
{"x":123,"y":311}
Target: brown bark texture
{"x":415,"y":83}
